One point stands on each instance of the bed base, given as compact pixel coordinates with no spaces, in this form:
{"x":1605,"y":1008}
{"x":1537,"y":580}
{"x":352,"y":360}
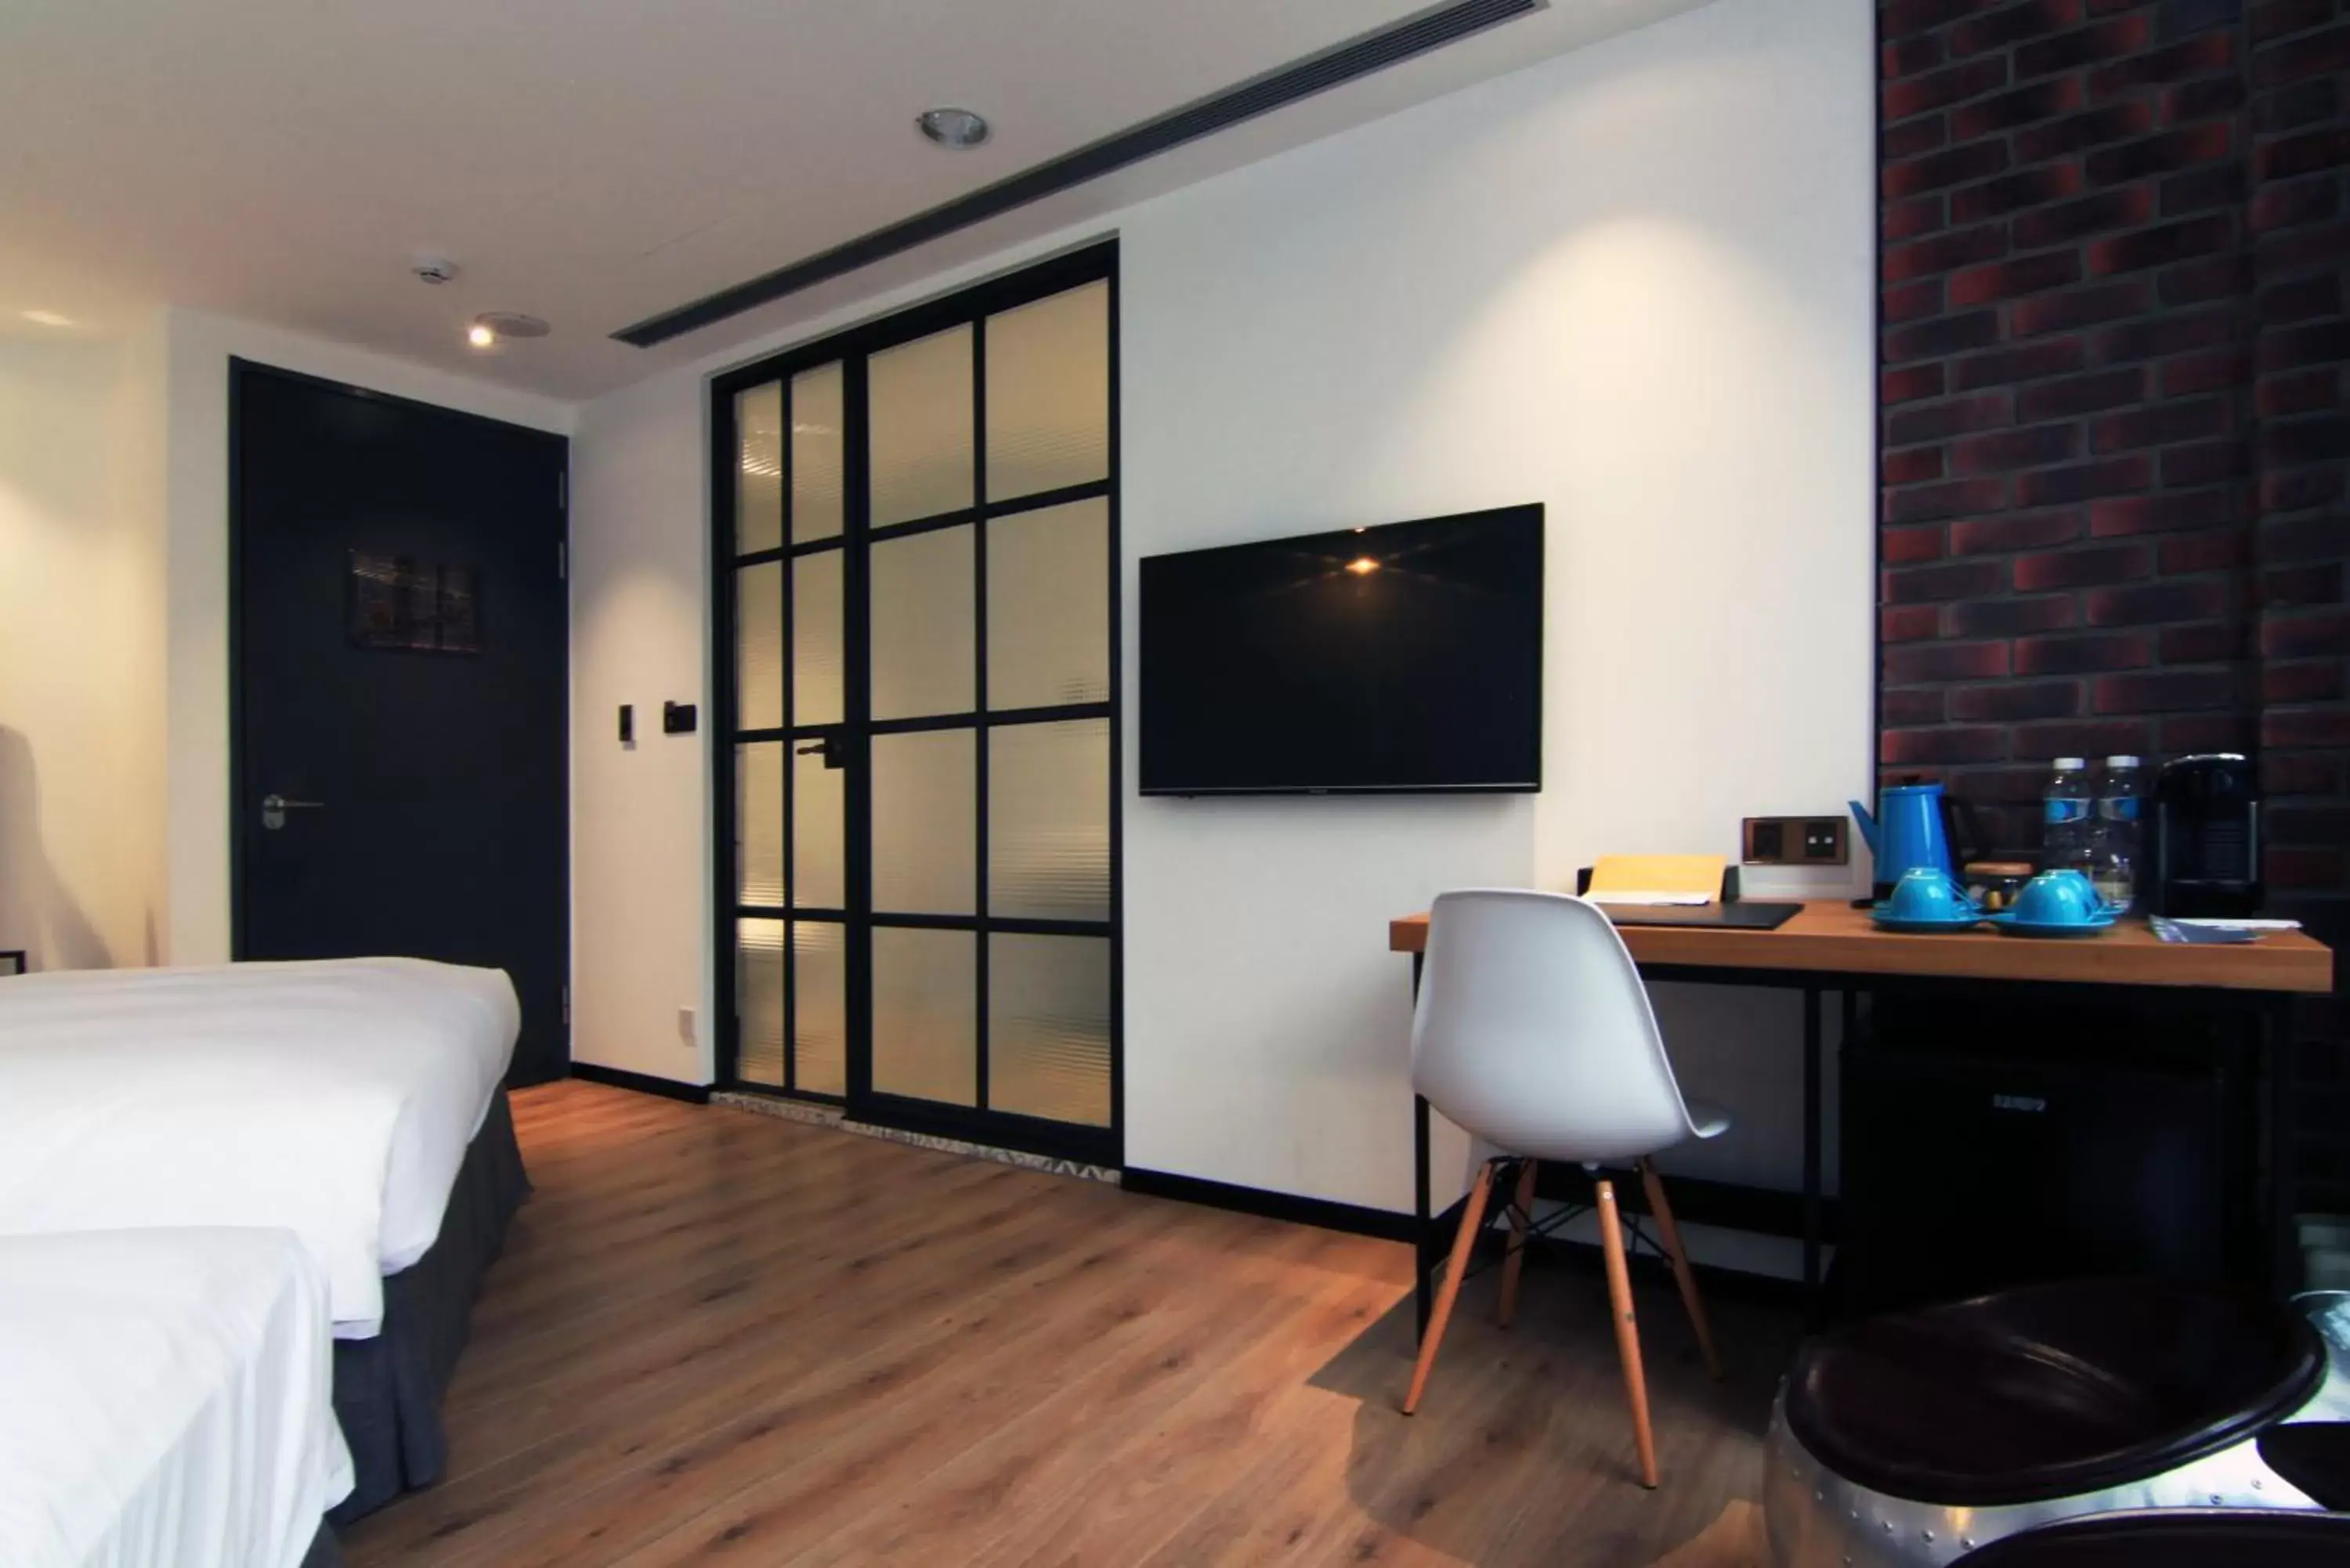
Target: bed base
{"x":325,"y":1551}
{"x":388,"y":1390}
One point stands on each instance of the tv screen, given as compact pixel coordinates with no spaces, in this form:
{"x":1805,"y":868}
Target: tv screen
{"x":1405,"y":658}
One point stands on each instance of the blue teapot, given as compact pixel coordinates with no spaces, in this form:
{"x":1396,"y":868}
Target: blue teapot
{"x":1914,"y":827}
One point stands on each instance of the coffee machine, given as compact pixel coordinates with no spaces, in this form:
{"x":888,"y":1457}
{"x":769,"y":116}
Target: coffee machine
{"x":2206,"y":859}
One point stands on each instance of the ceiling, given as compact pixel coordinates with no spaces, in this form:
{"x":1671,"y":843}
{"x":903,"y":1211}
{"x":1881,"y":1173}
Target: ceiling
{"x":597,"y":161}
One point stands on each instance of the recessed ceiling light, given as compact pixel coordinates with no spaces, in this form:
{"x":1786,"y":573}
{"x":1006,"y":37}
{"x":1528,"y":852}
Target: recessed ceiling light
{"x":952,"y":126}
{"x":1362,"y":565}
{"x":48,"y":318}
{"x":494,"y":327}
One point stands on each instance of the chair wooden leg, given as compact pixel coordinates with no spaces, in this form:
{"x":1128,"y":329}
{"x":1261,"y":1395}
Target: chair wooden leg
{"x":1522,"y":1209}
{"x":1627,"y":1330}
{"x":1669,"y":1234}
{"x":1472,"y":1218}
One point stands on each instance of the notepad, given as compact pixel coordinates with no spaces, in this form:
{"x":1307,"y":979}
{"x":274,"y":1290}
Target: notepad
{"x":1656,"y":879}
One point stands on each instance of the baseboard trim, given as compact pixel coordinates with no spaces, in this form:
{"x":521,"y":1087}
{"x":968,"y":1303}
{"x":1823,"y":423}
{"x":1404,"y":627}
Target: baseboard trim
{"x":1714,"y":1279}
{"x":642,"y":1083}
{"x":1764,"y":1211}
{"x":1352,"y":1218}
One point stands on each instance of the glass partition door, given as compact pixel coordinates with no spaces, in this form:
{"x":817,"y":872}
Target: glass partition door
{"x":790,"y":903}
{"x":920,"y":622}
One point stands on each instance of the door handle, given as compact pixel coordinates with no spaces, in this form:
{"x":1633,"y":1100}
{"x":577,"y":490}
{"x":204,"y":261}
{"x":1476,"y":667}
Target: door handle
{"x":274,"y":808}
{"x":824,"y":747}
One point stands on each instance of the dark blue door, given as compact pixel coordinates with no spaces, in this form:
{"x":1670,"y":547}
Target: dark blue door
{"x":401,"y":653}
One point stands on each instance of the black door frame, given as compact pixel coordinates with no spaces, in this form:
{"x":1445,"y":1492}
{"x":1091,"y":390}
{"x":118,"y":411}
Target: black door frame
{"x":239,"y":371}
{"x":852,"y":348}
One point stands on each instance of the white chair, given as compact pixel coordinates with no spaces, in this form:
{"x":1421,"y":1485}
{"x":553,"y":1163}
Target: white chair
{"x":1533,"y":1034}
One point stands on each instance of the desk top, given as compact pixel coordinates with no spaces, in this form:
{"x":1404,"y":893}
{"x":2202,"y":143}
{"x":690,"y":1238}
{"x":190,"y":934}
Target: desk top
{"x":1831,"y":937}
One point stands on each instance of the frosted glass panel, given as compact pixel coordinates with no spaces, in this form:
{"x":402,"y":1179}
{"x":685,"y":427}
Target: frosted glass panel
{"x":759,"y":631}
{"x":925,"y":1003}
{"x":918,"y":413}
{"x":759,"y":823}
{"x":1048,"y":607}
{"x":1048,"y":393}
{"x":759,"y":1002}
{"x":1048,"y":821}
{"x":820,"y":1002}
{"x":923,"y":636}
{"x":925,"y":824}
{"x":817,"y":445}
{"x":815,"y":833}
{"x":759,"y":468}
{"x":1048,"y":1027}
{"x":815,"y":638}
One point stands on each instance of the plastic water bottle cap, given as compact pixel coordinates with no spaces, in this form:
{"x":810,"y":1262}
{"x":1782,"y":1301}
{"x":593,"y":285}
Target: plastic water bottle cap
{"x":2121,"y":762}
{"x":2070,"y":765}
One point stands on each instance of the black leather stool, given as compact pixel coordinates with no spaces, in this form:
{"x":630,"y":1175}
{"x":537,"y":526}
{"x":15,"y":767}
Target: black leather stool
{"x":1914,"y":1439}
{"x":2178,"y":1537}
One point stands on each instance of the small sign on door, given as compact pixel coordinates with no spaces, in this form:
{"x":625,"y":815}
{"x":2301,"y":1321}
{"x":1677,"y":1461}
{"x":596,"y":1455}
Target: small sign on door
{"x":396,"y":601}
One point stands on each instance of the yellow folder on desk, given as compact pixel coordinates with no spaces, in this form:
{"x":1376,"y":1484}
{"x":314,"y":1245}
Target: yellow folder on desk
{"x":1656,"y":879}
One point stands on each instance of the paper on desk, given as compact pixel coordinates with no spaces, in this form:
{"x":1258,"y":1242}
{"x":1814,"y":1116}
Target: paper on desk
{"x":2212,"y":923}
{"x":1656,"y":879}
{"x":2200,"y":932}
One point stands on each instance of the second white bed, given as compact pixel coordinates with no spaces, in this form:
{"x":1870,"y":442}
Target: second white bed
{"x":165,"y":1401}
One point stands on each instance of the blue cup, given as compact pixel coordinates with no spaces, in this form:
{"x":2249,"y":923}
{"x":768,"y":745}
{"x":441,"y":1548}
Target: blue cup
{"x":1928,"y":893}
{"x":2059,"y":898}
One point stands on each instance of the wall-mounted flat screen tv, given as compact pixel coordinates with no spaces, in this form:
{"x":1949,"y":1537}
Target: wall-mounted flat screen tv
{"x":1400,"y":658}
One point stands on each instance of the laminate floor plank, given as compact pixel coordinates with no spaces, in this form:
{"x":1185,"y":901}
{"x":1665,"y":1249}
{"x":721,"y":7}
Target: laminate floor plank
{"x":961,"y":1491}
{"x":713,"y":1436}
{"x":722,"y":1337}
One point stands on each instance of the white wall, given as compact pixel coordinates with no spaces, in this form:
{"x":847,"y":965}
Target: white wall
{"x":197,"y":348}
{"x":81,"y":650}
{"x":640,"y":815}
{"x":1634,"y":284}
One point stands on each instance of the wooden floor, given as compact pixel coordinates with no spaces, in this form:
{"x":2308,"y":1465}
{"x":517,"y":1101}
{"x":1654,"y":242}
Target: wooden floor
{"x":722,"y":1337}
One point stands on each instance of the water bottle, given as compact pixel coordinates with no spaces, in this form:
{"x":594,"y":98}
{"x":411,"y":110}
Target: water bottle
{"x":2119,"y":799}
{"x":2066,"y":824}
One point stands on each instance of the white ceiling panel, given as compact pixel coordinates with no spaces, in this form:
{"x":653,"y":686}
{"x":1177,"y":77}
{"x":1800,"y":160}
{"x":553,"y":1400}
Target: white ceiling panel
{"x":597,"y":162}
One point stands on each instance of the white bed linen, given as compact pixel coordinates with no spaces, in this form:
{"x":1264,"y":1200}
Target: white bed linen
{"x":334,"y":1099}
{"x":166,"y":1401}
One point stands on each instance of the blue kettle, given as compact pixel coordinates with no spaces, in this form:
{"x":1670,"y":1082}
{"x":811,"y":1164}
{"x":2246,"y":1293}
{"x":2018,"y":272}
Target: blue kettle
{"x":1913,"y":826}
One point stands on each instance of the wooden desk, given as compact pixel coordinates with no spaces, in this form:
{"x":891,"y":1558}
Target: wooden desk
{"x":1834,"y":938}
{"x":1829,"y":945}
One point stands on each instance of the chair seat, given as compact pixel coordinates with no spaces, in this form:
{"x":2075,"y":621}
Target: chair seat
{"x":1707,"y":1120}
{"x":2048,"y":1390}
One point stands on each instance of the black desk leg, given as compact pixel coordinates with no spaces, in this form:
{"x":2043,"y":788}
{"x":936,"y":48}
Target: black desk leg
{"x":2276,"y":1143}
{"x":1421,"y":1293}
{"x":1812,"y":1150}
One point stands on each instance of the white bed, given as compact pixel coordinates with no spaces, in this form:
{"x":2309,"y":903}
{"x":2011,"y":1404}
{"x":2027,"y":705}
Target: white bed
{"x":334,"y":1099}
{"x":164,"y":1400}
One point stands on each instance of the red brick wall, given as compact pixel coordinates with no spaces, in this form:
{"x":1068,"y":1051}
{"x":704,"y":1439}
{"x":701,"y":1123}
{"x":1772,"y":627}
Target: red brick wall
{"x":2113,"y":431}
{"x":2299,"y":211}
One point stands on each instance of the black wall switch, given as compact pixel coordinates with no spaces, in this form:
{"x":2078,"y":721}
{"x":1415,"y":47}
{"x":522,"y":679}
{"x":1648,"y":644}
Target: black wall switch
{"x":1794,"y":841}
{"x":677,"y":717}
{"x":628,"y":724}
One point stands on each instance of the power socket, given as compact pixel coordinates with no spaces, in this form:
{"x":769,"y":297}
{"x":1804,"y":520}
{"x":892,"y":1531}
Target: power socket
{"x":1796,"y":841}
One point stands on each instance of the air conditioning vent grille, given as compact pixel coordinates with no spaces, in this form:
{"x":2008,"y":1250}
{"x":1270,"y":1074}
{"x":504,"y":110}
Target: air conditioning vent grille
{"x":1335,"y":66}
